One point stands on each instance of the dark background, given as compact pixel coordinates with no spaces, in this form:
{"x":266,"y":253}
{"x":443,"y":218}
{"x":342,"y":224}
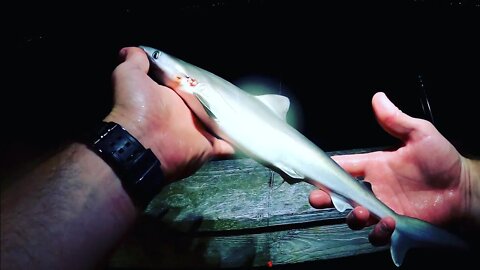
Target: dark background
{"x":330,"y":57}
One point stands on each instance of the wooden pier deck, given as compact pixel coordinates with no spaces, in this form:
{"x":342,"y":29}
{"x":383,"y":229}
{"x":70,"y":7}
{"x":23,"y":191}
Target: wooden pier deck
{"x":238,"y":213}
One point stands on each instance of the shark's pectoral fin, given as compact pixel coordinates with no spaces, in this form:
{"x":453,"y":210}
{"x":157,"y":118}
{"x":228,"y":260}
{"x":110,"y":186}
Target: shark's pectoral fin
{"x":206,"y":106}
{"x":340,"y":203}
{"x":277,"y":103}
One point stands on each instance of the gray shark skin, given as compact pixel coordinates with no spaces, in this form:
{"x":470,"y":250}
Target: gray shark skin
{"x":256,"y":126}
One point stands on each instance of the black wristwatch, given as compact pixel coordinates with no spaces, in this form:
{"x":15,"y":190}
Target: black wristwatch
{"x":138,"y":168}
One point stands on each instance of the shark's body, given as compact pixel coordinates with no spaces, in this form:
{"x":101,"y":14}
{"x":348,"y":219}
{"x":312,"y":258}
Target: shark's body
{"x":256,"y":125}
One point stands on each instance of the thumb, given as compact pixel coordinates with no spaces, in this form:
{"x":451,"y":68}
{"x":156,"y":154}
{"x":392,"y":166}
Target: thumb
{"x":222,"y":148}
{"x":392,"y":119}
{"x":134,"y":57}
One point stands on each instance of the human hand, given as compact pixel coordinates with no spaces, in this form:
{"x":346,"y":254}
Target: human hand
{"x":426,"y":178}
{"x":159,"y":119}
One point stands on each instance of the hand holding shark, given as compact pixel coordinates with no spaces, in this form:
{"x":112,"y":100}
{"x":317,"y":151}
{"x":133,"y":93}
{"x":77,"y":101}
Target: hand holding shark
{"x":426,"y":178}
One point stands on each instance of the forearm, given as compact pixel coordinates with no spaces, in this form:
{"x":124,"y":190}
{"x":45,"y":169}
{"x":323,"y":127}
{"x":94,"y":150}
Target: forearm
{"x":66,"y":214}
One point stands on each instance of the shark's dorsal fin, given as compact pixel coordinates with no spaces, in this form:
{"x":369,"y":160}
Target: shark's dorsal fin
{"x":277,"y":103}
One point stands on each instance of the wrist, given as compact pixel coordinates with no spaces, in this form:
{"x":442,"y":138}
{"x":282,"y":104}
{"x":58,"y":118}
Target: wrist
{"x":137,"y":167}
{"x":139,"y":128}
{"x":99,"y":174}
{"x":134,"y":127}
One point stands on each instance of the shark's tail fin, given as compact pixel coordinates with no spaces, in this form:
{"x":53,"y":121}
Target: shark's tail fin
{"x":413,"y":233}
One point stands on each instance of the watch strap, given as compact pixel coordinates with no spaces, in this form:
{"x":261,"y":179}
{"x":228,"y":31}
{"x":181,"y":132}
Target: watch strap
{"x":138,"y":168}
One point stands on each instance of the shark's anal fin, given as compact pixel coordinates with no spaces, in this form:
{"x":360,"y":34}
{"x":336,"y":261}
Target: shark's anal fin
{"x":340,"y":203}
{"x":277,"y":103}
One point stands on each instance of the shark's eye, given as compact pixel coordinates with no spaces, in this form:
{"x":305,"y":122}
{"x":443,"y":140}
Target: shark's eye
{"x":156,"y":54}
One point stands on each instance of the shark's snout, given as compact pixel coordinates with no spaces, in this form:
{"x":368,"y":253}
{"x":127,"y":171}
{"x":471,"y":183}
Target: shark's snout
{"x":152,"y":53}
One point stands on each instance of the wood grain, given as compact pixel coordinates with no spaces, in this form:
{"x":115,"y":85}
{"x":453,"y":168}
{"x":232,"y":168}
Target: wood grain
{"x":237,"y":213}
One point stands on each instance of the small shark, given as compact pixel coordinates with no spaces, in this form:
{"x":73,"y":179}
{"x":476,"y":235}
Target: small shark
{"x":256,"y":126}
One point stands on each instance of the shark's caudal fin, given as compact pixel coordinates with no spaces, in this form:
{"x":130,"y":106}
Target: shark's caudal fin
{"x":413,"y":233}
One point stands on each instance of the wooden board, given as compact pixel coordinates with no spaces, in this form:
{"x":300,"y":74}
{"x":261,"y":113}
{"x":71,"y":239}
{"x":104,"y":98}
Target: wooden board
{"x":237,"y":213}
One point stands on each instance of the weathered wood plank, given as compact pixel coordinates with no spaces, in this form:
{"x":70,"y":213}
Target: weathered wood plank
{"x":156,"y":248}
{"x":318,"y":243}
{"x":237,"y":194}
{"x":235,"y":213}
{"x":224,"y":195}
